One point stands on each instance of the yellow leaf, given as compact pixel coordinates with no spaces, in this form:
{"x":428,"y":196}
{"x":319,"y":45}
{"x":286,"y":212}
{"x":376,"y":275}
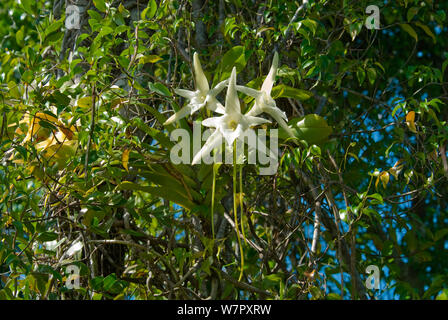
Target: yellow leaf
{"x":384,"y":176}
{"x":396,"y":169}
{"x":66,"y":150}
{"x":85,"y":102}
{"x":434,"y":155}
{"x":8,"y":222}
{"x":57,"y":152}
{"x":18,"y":131}
{"x":44,"y":116}
{"x":125,"y":158}
{"x":149,"y":59}
{"x":34,"y":127}
{"x":410,"y":117}
{"x":118,"y":102}
{"x":393,"y":172}
{"x":42,"y":146}
{"x":397,"y":164}
{"x":37,"y":172}
{"x":410,"y":121}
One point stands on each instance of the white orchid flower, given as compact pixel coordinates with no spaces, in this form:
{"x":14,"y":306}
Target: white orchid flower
{"x":264,"y":103}
{"x":231,"y":125}
{"x":203,"y":96}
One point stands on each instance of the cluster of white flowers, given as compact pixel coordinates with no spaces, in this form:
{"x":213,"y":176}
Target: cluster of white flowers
{"x":232,"y":124}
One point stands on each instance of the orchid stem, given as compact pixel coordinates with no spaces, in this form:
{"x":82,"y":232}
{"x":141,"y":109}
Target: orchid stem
{"x":241,"y":203}
{"x":213,"y":202}
{"x":235,"y":210}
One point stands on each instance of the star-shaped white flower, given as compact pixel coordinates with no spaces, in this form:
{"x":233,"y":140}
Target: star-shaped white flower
{"x":203,"y":96}
{"x":231,"y":125}
{"x":264,"y":103}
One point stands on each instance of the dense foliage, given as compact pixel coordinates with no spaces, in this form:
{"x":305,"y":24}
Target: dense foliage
{"x":86,"y":181}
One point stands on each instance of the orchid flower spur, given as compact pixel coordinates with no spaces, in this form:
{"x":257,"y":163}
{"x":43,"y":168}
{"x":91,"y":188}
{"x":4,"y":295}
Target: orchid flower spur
{"x":264,"y":103}
{"x":203,"y":96}
{"x":231,"y":125}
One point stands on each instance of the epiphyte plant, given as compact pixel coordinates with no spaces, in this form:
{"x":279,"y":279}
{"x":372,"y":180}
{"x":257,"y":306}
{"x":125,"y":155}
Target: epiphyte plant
{"x":231,"y":125}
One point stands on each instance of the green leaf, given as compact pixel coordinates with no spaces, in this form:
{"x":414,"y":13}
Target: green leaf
{"x":355,"y":28}
{"x":156,"y":134}
{"x":97,"y":296}
{"x":361,"y":74}
{"x":160,"y":177}
{"x":310,"y":24}
{"x":440,"y":234}
{"x":100,"y":5}
{"x":20,"y":36}
{"x":47,"y":236}
{"x":159,"y":88}
{"x":411,"y":13}
{"x":333,"y":296}
{"x":150,"y":10}
{"x":105,"y":31}
{"x":22,"y":151}
{"x":55,"y":26}
{"x":397,"y":107}
{"x":28,"y":6}
{"x":109,"y":281}
{"x":28,"y":76}
{"x":95,"y":15}
{"x":406,"y":27}
{"x":272,"y":280}
{"x":159,"y":116}
{"x":47,"y":124}
{"x":444,"y":65}
{"x":284,"y":91}
{"x":371,"y":74}
{"x":158,"y":192}
{"x":427,"y":31}
{"x":388,"y":248}
{"x":377,"y":197}
{"x":312,"y":128}
{"x":235,"y":57}
{"x":443,"y":295}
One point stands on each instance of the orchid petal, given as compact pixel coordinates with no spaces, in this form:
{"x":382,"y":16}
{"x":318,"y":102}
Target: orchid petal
{"x":186,"y":93}
{"x":255,"y":110}
{"x":214,"y":122}
{"x":196,"y":106}
{"x":214,"y":105}
{"x":214,"y":141}
{"x":220,"y":108}
{"x":255,"y":121}
{"x":201,"y":80}
{"x":232,"y":101}
{"x":230,"y":135}
{"x":249,"y":91}
{"x":277,"y":115}
{"x":270,"y":78}
{"x":182,"y":113}
{"x":218,"y":88}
